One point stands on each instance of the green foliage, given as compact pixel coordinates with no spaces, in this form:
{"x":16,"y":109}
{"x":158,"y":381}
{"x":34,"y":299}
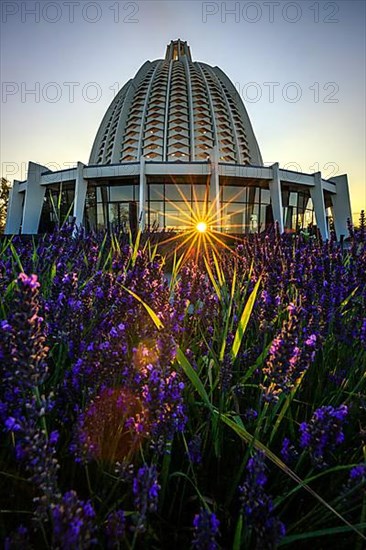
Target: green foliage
{"x":4,"y":198}
{"x":318,"y":506}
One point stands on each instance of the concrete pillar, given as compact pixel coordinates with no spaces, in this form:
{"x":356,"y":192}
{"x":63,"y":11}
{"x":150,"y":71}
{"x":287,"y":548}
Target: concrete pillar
{"x":214,"y":206}
{"x":317,"y":196}
{"x":341,"y":205}
{"x":276,"y":197}
{"x":143,"y":194}
{"x":15,"y":210}
{"x":33,"y":202}
{"x":81,"y":187}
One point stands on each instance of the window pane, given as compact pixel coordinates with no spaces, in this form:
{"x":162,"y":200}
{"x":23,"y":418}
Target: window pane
{"x":91,"y":217}
{"x":199,"y":209}
{"x":180,"y":218}
{"x":100,"y":216}
{"x":233,"y":217}
{"x":124,"y":214}
{"x":199,"y":193}
{"x":121,"y":193}
{"x":102,"y":194}
{"x":232,"y":193}
{"x":171,"y":219}
{"x":113,"y":215}
{"x":265,"y":196}
{"x":157,"y":214}
{"x":172,"y":192}
{"x":293,"y":199}
{"x":263,"y":212}
{"x":253,"y":194}
{"x":156,"y":191}
{"x":302,"y":201}
{"x":308,"y":218}
{"x":254,"y":219}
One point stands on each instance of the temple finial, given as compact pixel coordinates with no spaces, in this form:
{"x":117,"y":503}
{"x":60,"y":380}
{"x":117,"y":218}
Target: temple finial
{"x":177,"y":49}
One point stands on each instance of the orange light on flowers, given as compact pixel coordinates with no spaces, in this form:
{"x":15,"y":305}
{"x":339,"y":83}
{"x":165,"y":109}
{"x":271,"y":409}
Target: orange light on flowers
{"x":146,"y":353}
{"x":114,"y":425}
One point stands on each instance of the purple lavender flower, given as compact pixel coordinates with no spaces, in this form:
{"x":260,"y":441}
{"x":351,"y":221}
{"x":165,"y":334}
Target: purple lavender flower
{"x":287,"y":358}
{"x":288,"y":451}
{"x":73,"y":523}
{"x":258,"y":506}
{"x":115,"y":528}
{"x":23,"y":349}
{"x":112,"y":426}
{"x":18,"y":539}
{"x":358,"y":473}
{"x":30,"y":281}
{"x":323,"y":433}
{"x":23,"y":407}
{"x":206,"y":529}
{"x":363,"y":333}
{"x":194,"y":449}
{"x":250,"y":415}
{"x":145,"y":489}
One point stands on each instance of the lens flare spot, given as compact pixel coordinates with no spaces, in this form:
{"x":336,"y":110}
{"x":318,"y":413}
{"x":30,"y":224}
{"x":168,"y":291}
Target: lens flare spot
{"x":113,"y":426}
{"x":201,"y":227}
{"x":146,"y":353}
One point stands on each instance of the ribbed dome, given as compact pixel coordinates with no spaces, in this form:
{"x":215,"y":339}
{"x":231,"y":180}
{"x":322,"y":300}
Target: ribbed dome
{"x":176,"y":110}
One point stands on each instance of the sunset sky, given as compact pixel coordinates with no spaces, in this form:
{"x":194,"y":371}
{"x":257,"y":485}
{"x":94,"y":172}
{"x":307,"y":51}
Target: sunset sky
{"x":299,"y":67}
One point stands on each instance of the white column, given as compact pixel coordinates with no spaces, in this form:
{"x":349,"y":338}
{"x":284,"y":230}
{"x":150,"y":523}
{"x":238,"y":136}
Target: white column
{"x":142,"y":199}
{"x":341,"y":205}
{"x":317,"y":196}
{"x":276,"y":197}
{"x":214,"y":206}
{"x":81,"y":187}
{"x":15,"y":210}
{"x":33,"y":202}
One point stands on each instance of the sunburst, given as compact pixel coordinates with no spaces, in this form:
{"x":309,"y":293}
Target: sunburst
{"x":201,"y":233}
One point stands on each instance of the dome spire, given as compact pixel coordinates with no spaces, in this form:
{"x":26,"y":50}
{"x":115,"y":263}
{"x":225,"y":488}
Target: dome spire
{"x":177,"y":49}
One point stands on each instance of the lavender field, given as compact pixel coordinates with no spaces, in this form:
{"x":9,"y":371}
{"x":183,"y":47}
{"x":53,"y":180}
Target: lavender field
{"x":222,"y":406}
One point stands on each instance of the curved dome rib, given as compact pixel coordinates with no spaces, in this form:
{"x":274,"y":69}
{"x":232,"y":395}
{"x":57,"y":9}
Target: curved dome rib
{"x":176,"y":110}
{"x":243,"y":117}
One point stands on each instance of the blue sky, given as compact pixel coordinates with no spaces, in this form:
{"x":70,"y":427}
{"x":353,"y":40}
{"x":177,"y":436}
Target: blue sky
{"x":299,"y":67}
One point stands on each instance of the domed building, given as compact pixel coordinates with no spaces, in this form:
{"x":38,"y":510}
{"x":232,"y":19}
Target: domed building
{"x":175,"y":144}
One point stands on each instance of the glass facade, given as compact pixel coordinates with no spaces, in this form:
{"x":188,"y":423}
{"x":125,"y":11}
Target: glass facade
{"x":172,"y":206}
{"x":175,"y":206}
{"x":245,"y":209}
{"x":58,"y":205}
{"x":298,"y":212}
{"x":108,"y":206}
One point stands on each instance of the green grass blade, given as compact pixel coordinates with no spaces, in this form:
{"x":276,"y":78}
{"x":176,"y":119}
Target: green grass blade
{"x":193,"y":377}
{"x":219,"y":271}
{"x":238,"y":534}
{"x":321,"y":533}
{"x":16,"y":257}
{"x":244,"y":320}
{"x":212,"y":279}
{"x":248,"y":438}
{"x":159,"y":325}
{"x":135,"y":246}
